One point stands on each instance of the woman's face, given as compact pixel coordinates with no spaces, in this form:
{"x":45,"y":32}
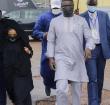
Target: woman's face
{"x":12,"y":33}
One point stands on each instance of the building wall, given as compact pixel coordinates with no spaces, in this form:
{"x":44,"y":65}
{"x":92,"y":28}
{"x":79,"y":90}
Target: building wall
{"x":82,"y":3}
{"x":83,"y":6}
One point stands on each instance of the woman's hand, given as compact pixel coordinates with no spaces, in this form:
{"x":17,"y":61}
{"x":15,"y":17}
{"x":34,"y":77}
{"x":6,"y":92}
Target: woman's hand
{"x":26,"y":49}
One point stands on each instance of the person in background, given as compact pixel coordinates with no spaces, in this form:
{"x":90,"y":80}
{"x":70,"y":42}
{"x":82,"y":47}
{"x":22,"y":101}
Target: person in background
{"x":17,"y":66}
{"x":66,"y":53}
{"x":2,"y":83}
{"x":40,"y":31}
{"x":99,"y":24}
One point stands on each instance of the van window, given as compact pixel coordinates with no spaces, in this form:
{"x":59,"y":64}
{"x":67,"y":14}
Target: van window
{"x":14,"y":15}
{"x":30,"y":14}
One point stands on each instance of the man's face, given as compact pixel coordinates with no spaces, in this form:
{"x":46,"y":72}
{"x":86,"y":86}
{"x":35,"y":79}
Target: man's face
{"x":56,"y":10}
{"x":92,"y":6}
{"x":67,"y":8}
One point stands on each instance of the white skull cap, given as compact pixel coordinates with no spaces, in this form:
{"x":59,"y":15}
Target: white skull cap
{"x":55,"y":3}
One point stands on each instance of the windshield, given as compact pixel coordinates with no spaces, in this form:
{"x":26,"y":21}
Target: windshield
{"x":25,"y":14}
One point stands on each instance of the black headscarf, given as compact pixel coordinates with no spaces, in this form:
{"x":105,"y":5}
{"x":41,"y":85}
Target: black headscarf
{"x":11,"y":24}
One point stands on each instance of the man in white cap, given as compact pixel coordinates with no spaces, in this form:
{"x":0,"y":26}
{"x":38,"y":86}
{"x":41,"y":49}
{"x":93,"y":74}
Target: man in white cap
{"x":40,"y":31}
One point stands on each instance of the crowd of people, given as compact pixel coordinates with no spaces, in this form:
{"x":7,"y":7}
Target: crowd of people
{"x":74,"y":50}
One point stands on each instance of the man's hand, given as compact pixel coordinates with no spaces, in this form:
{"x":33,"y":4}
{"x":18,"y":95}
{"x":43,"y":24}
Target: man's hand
{"x":45,"y":36}
{"x":27,"y":50}
{"x":52,"y":63}
{"x":87,"y":53}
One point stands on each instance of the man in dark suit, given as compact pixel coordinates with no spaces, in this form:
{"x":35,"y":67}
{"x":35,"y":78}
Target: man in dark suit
{"x":2,"y":84}
{"x":100,"y":27}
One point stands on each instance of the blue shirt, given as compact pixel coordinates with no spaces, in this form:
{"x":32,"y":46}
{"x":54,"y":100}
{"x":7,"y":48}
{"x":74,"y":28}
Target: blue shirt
{"x":42,"y":26}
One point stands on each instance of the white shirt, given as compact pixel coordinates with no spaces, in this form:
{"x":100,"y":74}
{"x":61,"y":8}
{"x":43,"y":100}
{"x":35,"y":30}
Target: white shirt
{"x":65,"y":44}
{"x":94,"y":25}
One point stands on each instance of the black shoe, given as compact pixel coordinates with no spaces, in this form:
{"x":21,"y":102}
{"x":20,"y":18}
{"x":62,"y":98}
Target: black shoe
{"x":47,"y":91}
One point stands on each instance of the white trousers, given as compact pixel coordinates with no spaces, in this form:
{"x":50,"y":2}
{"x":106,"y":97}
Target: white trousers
{"x":62,"y":92}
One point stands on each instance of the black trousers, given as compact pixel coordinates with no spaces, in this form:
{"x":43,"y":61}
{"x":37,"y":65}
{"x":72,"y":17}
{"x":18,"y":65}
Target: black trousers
{"x":26,"y":101}
{"x":2,"y":92}
{"x":18,"y":87}
{"x":2,"y":84}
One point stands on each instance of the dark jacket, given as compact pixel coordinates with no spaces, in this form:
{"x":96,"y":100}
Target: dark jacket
{"x":15,"y":57}
{"x":13,"y":52}
{"x":16,"y":62}
{"x":104,"y":31}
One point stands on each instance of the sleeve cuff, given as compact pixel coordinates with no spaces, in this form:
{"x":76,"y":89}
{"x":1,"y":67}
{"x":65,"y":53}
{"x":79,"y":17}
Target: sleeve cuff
{"x":91,"y":47}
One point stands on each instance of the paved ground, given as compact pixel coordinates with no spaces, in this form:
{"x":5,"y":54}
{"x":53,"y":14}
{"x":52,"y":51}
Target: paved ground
{"x":38,"y":94}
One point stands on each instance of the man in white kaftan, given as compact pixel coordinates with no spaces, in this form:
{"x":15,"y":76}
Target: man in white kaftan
{"x":66,"y":52}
